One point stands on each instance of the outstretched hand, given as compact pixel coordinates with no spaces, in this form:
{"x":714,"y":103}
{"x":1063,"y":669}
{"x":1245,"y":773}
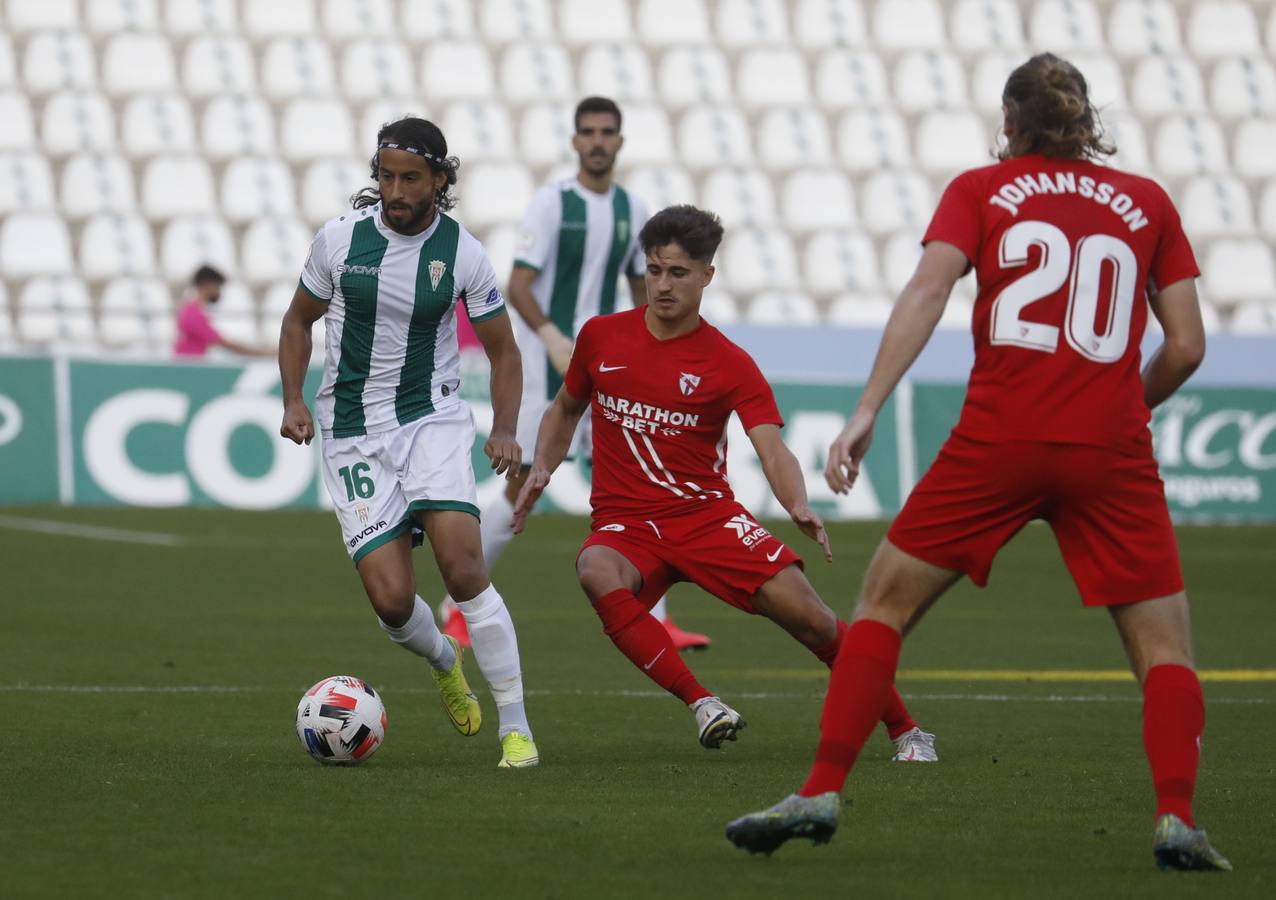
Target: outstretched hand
{"x":847,"y":451}
{"x":813,"y":527}
{"x":527,"y":497}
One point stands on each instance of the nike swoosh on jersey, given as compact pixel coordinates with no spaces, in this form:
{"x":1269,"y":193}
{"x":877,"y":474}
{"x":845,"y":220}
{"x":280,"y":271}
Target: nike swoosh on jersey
{"x":772,"y":557}
{"x":603,"y":367}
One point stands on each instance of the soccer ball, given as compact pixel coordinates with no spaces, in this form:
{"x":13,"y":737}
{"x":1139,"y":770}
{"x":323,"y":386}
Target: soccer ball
{"x":341,"y":720}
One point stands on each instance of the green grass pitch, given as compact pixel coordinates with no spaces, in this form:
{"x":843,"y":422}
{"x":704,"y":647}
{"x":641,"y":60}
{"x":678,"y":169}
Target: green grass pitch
{"x":148,"y":749}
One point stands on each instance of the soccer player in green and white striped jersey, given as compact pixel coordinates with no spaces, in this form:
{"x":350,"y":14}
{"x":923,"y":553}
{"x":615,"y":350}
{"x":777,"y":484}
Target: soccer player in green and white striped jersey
{"x":397,"y":437}
{"x":578,"y":236}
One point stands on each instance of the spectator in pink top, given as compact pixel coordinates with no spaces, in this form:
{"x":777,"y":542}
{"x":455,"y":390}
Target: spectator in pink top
{"x":195,"y":330}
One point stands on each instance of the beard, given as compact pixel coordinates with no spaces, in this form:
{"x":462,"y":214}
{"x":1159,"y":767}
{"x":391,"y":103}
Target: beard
{"x":408,"y":218}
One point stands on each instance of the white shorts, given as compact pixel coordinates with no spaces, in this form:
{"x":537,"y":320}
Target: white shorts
{"x":378,"y":481}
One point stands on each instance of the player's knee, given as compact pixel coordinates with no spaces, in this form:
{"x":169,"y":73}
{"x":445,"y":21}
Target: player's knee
{"x":392,"y":600}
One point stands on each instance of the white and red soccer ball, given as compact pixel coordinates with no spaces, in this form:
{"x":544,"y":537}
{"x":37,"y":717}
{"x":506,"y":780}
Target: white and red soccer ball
{"x":341,"y":720}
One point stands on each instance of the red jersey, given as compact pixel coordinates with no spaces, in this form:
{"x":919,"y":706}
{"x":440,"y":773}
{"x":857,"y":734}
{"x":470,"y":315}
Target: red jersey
{"x":660,"y":412}
{"x":1066,"y":254}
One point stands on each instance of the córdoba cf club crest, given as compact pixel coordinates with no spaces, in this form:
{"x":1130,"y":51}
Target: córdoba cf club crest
{"x":688,"y":383}
{"x":437,"y":268}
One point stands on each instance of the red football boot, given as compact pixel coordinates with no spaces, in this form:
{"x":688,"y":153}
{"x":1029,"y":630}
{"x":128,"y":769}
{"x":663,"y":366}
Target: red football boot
{"x":455,"y":628}
{"x":685,"y":640}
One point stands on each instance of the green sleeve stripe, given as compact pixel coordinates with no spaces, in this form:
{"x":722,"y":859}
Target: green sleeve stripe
{"x":302,"y":284}
{"x":524,"y":264}
{"x":499,"y":311}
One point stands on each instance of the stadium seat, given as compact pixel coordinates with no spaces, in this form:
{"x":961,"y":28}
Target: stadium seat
{"x":756,"y":259}
{"x":372,"y":68}
{"x":72,"y":123}
{"x":34,"y":243}
{"x":979,"y":26}
{"x":1065,"y":26}
{"x":237,"y":125}
{"x":740,"y":197}
{"x":500,"y":244}
{"x":957,"y":314}
{"x":1186,"y":145}
{"x":495,"y":194}
{"x":328,"y":185}
{"x":1167,"y":84}
{"x":507,"y":21}
{"x":782,"y":308}
{"x":838,"y":261}
{"x":312,"y":128}
{"x":237,"y":299}
{"x":183,"y":18}
{"x":345,"y":21}
{"x":537,"y":71}
{"x":794,"y":137}
{"x":751,"y":23}
{"x":1139,"y":28}
{"x":1243,"y":88}
{"x":478,"y":131}
{"x":263,"y":21}
{"x":145,"y":295}
{"x":648,"y":137}
{"x":694,"y":76}
{"x":239,"y":326}
{"x":8,"y":66}
{"x":177,"y":186}
{"x":26,"y":183}
{"x":869,"y":140}
{"x":136,"y":63}
{"x":948,"y":142}
{"x":457,"y":70}
{"x":110,"y":16}
{"x":218,"y":64}
{"x":988,"y":80}
{"x":928,"y":79}
{"x":545,"y":134}
{"x":58,"y":60}
{"x":1238,"y":270}
{"x":664,"y":22}
{"x":191,"y":242}
{"x":121,"y":329}
{"x":115,"y":244}
{"x":585,"y":23}
{"x":1267,"y":211}
{"x":1126,"y":133}
{"x":859,"y":311}
{"x":376,"y":113}
{"x":661,"y":186}
{"x":1216,"y":206}
{"x":1255,"y":317}
{"x":438,"y":20}
{"x":55,"y":310}
{"x":276,"y":299}
{"x":24,"y":15}
{"x":157,"y":123}
{"x":713,"y":136}
{"x":294,"y":66}
{"x":619,"y":71}
{"x":772,"y":77}
{"x":19,"y":127}
{"x":1104,"y":80}
{"x":899,"y":259}
{"x":906,"y":24}
{"x":817,"y":198}
{"x":257,"y":188}
{"x":1222,"y":28}
{"x":1252,"y":148}
{"x":851,"y":78}
{"x":820,"y":24}
{"x":274,"y":249}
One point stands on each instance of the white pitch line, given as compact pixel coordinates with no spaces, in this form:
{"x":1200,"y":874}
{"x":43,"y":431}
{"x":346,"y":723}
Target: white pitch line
{"x":93,"y":532}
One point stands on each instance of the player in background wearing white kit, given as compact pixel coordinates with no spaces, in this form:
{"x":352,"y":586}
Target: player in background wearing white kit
{"x":397,"y":437}
{"x":578,"y":236}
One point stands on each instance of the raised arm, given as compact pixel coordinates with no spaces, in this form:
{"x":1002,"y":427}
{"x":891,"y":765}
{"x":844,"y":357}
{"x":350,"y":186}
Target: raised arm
{"x":1179,"y":312}
{"x":553,"y":440}
{"x":497,"y":338}
{"x":784,"y":474}
{"x":294,"y":357}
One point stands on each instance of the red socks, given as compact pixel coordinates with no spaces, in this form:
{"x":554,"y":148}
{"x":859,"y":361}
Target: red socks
{"x":1173,"y":721}
{"x":859,"y":693}
{"x":896,"y":718}
{"x":647,"y":644}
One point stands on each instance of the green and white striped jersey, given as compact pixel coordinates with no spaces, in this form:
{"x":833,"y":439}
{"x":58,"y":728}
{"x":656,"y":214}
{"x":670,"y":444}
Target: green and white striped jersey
{"x":390,"y":353}
{"x":579,"y":242}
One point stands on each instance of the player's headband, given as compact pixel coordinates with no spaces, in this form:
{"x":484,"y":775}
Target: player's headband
{"x":424,"y":154}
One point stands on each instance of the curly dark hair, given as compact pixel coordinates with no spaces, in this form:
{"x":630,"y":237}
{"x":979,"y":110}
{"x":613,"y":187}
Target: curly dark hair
{"x":696,"y":231}
{"x":1048,"y":111}
{"x":413,"y":132}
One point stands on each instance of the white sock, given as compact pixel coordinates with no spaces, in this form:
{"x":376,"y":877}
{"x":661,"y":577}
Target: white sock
{"x":494,"y":528}
{"x":422,"y":636}
{"x":659,"y":610}
{"x":496,"y":650}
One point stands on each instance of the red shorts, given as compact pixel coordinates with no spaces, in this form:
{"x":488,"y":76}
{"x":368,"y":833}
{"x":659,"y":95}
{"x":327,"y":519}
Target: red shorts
{"x":719,"y":546}
{"x":1107,"y":511}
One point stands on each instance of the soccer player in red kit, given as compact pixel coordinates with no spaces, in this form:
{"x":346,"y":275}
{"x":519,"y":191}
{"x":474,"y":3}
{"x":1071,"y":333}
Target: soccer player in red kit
{"x":662,"y":384}
{"x":1069,"y":255}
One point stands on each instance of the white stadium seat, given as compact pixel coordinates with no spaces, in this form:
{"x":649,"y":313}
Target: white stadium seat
{"x":819,"y":24}
{"x":1267,"y":211}
{"x":1222,"y":28}
{"x":374,"y":114}
{"x":218,"y":64}
{"x":869,"y":140}
{"x":26,"y":183}
{"x":312,"y":128}
{"x":294,"y":66}
{"x":1144,"y":28}
{"x":661,"y":186}
{"x":8,"y":67}
{"x":718,"y":306}
{"x":191,"y":242}
{"x":478,"y":131}
{"x":740,"y":197}
{"x":895,"y":201}
{"x":1237,"y":270}
{"x":982,"y":25}
{"x":619,"y":71}
{"x":500,"y":244}
{"x":94,"y":183}
{"x":276,"y":299}
{"x":257,"y":188}
{"x":114,"y":244}
{"x":19,"y":126}
{"x":859,"y":311}
{"x":899,"y":259}
{"x":664,"y":22}
{"x":177,"y":186}
{"x":237,"y":125}
{"x":376,"y":68}
{"x":755,"y":259}
{"x":1186,"y":145}
{"x":34,"y":243}
{"x":1254,"y":317}
{"x":904,"y":24}
{"x":55,"y":310}
{"x":192,"y":17}
{"x":589,"y":22}
{"x":782,"y":308}
{"x":817,"y":198}
{"x":109,"y":16}
{"x":506,"y":21}
{"x":437,"y":20}
{"x":134,"y":63}
{"x":1065,"y":26}
{"x":457,"y":70}
{"x":545,"y":134}
{"x":536,"y":71}
{"x":957,"y":314}
{"x":948,"y":142}
{"x":1214,"y":206}
{"x":149,"y":295}
{"x":344,"y":20}
{"x":495,"y":194}
{"x":838,"y":260}
{"x":648,"y":136}
{"x":279,"y":17}
{"x":1126,"y":132}
{"x":58,"y":60}
{"x":24,"y":15}
{"x":927,"y":79}
{"x":1104,"y":81}
{"x":988,"y":80}
{"x":751,"y":23}
{"x":851,"y":78}
{"x":1243,"y":88}
{"x":236,"y":299}
{"x":157,"y":123}
{"x":274,"y":249}
{"x":328,"y":185}
{"x":1253,"y":145}
{"x":711,"y":137}
{"x":694,"y":76}
{"x":771,"y":77}
{"x":1167,"y":84}
{"x":794,"y":137}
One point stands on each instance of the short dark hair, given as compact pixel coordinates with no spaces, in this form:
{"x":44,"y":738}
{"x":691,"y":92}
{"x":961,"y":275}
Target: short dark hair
{"x":205,"y":274}
{"x":597,"y":105}
{"x":412,"y":131}
{"x":697,"y":231}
